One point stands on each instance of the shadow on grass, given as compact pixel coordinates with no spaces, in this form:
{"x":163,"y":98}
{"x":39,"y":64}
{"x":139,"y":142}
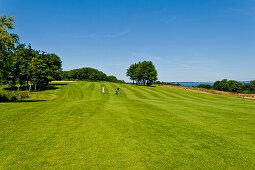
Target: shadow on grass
{"x":23,"y":101}
{"x":48,"y":87}
{"x":58,"y":84}
{"x":24,"y":94}
{"x":51,"y":87}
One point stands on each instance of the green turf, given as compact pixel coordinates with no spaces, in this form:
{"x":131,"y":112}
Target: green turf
{"x":76,"y":126}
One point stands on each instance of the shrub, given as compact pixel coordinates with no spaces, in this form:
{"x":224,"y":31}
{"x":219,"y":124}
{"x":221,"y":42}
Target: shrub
{"x":8,"y":96}
{"x":3,"y":98}
{"x":230,"y":86}
{"x":24,"y":95}
{"x":206,"y":86}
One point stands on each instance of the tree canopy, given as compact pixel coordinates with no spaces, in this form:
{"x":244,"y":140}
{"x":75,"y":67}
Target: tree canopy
{"x":89,"y":74}
{"x":142,"y":72}
{"x":20,"y":64}
{"x":234,"y":86}
{"x":7,"y":40}
{"x":225,"y":85}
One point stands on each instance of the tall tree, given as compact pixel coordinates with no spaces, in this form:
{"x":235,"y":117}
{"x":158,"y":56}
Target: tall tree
{"x":142,"y":72}
{"x":7,"y":44}
{"x":7,"y":40}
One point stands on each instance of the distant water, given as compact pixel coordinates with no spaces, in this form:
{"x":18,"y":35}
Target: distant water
{"x":192,"y":84}
{"x":195,"y":84}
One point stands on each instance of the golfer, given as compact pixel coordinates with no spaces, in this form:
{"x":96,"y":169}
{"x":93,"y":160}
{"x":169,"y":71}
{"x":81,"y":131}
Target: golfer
{"x":103,"y":90}
{"x":117,"y":91}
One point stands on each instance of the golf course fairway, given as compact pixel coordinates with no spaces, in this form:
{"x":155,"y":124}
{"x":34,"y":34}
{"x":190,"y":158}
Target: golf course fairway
{"x":74,"y":125}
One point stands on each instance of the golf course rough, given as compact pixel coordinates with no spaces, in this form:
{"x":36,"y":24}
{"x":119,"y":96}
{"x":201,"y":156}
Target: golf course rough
{"x":76,"y":126}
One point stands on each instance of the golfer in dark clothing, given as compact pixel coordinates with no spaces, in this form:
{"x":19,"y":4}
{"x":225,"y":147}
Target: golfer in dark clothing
{"x":117,"y":91}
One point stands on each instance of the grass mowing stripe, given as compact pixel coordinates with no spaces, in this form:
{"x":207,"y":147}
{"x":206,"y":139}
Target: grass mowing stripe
{"x":139,"y":93}
{"x":186,"y":103}
{"x":143,"y":127}
{"x":206,"y":97}
{"x":211,"y":102}
{"x":151,"y":123}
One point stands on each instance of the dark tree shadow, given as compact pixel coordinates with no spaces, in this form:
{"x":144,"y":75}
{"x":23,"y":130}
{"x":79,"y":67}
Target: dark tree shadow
{"x":23,"y":93}
{"x":56,"y":84}
{"x":11,"y":88}
{"x":47,"y":87}
{"x":51,"y":87}
{"x":23,"y":101}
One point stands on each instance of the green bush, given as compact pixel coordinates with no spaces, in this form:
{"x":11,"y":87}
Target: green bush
{"x":8,"y":96}
{"x":246,"y":91}
{"x":206,"y":86}
{"x":3,"y":98}
{"x":232,"y":86}
{"x":24,"y":95}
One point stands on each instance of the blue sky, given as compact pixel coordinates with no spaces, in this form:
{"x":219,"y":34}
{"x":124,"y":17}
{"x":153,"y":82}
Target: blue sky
{"x":187,"y":40}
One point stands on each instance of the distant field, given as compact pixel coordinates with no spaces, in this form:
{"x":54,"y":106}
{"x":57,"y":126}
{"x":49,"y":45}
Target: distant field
{"x":76,"y":126}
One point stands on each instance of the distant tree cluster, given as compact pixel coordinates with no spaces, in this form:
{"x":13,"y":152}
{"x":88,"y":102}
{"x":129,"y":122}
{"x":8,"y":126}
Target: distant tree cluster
{"x":23,"y":66}
{"x":142,"y":73}
{"x":231,"y":86}
{"x":205,"y":86}
{"x":234,"y":86}
{"x":223,"y":85}
{"x":88,"y":74}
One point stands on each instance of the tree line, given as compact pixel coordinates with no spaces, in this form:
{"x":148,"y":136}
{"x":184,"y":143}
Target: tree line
{"x":223,"y":85}
{"x":88,"y":74}
{"x":22,"y":66}
{"x":231,"y":86}
{"x":234,"y":86}
{"x":142,"y":73}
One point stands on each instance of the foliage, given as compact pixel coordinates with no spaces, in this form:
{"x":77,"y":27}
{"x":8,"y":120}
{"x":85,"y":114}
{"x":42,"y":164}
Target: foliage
{"x":7,"y":44}
{"x":112,"y":78}
{"x":234,"y":86}
{"x":31,"y":68}
{"x":89,"y":74}
{"x":7,"y":40}
{"x":142,"y":72}
{"x":22,"y":66}
{"x":252,"y":86}
{"x":206,"y":86}
{"x":8,"y":95}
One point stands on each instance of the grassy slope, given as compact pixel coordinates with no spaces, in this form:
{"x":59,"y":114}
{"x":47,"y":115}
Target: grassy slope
{"x":143,"y":127}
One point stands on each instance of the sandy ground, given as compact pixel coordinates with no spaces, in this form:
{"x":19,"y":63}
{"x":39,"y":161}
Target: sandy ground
{"x":210,"y":91}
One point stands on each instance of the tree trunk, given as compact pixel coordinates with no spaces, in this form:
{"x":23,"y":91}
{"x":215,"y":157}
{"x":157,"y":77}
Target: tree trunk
{"x":35,"y":87}
{"x":29,"y":86}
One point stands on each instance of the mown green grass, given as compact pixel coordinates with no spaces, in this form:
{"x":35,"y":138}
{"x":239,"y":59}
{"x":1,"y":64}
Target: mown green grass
{"x":76,"y":126}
